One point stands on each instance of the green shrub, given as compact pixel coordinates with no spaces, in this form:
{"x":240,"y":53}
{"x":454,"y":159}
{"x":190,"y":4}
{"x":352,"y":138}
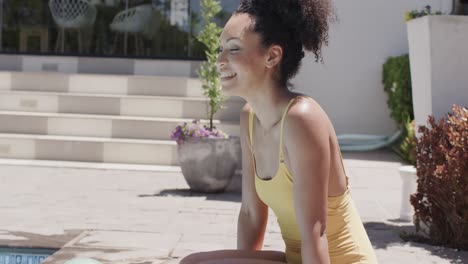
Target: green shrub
{"x":406,"y":149}
{"x":441,"y":200}
{"x":425,"y":12}
{"x":397,"y":85}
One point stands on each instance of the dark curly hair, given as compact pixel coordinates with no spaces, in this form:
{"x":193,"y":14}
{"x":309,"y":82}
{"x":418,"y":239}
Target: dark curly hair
{"x":293,"y":25}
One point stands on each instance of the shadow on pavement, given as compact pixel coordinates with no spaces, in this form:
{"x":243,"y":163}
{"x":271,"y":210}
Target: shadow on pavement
{"x":383,"y":235}
{"x":226,"y":196}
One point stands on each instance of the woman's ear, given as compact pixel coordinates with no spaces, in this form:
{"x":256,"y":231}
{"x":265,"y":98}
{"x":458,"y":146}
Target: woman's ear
{"x":274,"y":55}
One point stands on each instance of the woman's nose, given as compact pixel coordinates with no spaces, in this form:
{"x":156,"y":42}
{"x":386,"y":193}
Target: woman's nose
{"x":221,"y":60}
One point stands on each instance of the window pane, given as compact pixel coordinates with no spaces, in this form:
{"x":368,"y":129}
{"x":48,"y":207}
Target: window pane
{"x":111,"y":28}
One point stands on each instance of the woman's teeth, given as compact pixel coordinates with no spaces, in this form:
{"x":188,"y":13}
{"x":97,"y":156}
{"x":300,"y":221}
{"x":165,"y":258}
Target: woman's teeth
{"x":227,"y":75}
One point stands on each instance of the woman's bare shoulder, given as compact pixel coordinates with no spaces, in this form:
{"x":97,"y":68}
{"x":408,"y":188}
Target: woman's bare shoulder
{"x":306,"y":109}
{"x":244,"y":115}
{"x":246,"y":108}
{"x":244,"y":124}
{"x":306,"y":121}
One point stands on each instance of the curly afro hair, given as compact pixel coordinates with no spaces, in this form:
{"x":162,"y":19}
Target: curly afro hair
{"x":292,"y":24}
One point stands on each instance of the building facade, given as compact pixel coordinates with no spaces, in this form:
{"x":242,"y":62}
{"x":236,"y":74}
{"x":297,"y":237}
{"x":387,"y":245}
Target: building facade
{"x":105,"y":28}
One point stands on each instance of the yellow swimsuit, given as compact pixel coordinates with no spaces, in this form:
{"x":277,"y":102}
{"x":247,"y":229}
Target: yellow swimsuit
{"x":347,"y":239}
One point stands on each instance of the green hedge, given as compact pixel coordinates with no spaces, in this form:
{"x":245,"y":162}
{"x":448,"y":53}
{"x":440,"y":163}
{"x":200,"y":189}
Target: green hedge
{"x":397,"y":85}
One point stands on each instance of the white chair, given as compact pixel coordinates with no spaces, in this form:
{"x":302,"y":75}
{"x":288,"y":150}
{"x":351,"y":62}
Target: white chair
{"x":132,"y":21}
{"x":72,"y":15}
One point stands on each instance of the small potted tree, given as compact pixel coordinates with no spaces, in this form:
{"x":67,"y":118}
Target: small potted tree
{"x":441,"y":200}
{"x":208,"y":157}
{"x":397,"y":85}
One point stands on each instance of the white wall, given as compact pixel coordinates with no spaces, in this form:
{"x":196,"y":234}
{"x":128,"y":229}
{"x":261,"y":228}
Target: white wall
{"x":349,"y":84}
{"x":439,"y":65}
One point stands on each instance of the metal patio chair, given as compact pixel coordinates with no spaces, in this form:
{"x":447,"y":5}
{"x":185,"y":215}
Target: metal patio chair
{"x":132,"y":21}
{"x":72,"y":15}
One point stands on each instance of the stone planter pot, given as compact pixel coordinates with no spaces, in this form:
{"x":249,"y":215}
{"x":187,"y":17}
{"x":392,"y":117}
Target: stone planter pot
{"x":209,"y":164}
{"x":409,"y":185}
{"x":439,"y":62}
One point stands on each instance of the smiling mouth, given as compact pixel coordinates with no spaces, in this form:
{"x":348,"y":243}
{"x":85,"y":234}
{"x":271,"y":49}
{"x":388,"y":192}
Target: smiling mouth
{"x":227,"y":76}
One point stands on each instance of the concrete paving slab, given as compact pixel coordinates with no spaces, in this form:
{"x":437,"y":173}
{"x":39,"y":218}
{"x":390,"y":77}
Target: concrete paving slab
{"x":145,"y":217}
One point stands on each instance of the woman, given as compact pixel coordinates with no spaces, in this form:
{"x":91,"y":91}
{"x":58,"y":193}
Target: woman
{"x":290,"y":154}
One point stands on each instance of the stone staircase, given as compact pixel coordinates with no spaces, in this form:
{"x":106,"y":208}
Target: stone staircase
{"x":101,"y":118}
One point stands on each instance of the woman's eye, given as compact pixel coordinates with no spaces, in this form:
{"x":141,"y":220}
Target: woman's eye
{"x":219,"y":50}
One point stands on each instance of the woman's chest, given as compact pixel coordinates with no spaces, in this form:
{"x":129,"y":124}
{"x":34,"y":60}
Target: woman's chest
{"x":266,"y":154}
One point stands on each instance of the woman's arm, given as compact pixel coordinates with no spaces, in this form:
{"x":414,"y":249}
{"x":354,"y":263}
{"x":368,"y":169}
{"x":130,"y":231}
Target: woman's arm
{"x":241,"y":261}
{"x":253,"y":214}
{"x":306,"y":140}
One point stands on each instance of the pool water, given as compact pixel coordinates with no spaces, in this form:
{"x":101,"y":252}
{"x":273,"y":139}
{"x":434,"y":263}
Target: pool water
{"x":12,"y":255}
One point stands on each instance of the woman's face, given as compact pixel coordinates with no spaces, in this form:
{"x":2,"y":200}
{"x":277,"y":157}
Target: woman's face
{"x":241,"y":61}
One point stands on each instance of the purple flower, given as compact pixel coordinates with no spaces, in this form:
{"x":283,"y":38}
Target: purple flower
{"x":196,"y":131}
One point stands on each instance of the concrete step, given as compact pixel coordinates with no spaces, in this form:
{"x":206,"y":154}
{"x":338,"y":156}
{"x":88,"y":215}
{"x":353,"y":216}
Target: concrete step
{"x":98,"y":65}
{"x":98,"y":125}
{"x":100,"y":83}
{"x":167,"y":170}
{"x":101,"y":118}
{"x":106,"y":104}
{"x":88,"y":149}
{"x":95,"y":153}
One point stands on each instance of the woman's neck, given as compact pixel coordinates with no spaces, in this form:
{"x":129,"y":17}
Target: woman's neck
{"x":269,"y":104}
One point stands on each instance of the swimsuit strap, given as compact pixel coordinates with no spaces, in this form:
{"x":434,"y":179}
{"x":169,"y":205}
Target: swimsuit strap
{"x":251,"y":118}
{"x":342,"y":165}
{"x":281,"y":155}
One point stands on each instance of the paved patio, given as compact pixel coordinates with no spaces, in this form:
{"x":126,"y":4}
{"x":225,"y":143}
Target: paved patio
{"x":142,"y":217}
